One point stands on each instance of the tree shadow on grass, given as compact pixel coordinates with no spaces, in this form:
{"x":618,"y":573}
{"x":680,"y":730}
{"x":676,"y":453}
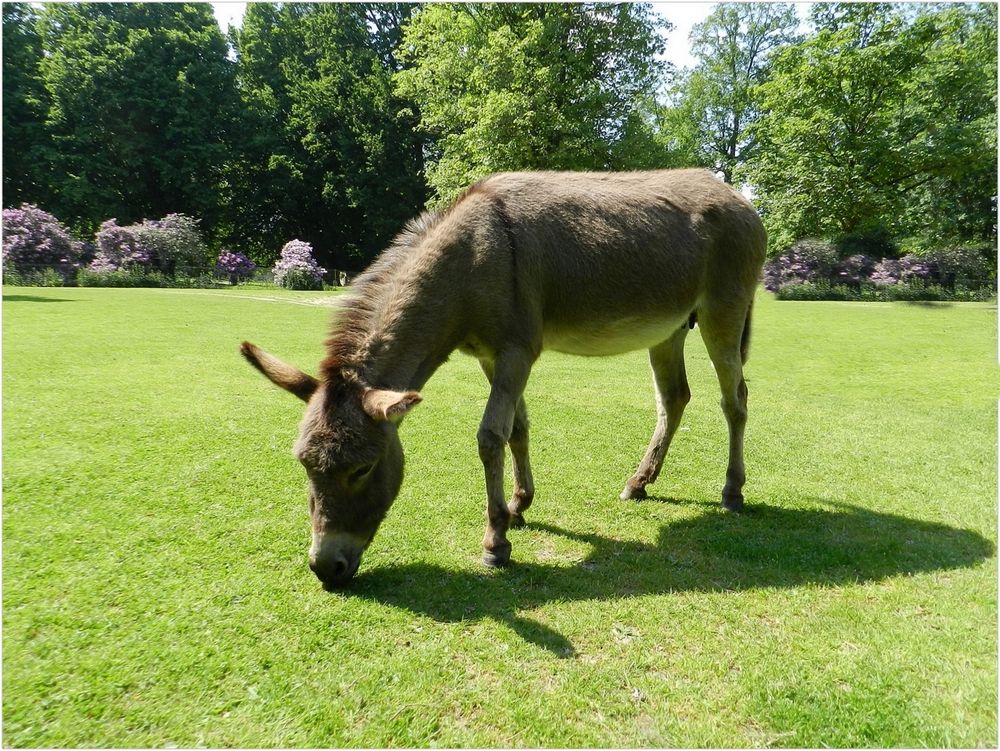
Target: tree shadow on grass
{"x":33,"y":298}
{"x":766,"y":546}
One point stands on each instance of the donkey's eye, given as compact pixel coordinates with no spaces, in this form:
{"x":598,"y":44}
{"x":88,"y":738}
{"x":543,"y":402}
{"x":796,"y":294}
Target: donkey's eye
{"x":358,"y":474}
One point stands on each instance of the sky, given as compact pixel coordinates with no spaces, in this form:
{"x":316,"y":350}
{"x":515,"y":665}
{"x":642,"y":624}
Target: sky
{"x":683,"y":15}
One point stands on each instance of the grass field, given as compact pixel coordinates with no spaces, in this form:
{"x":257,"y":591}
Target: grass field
{"x":155,"y":528}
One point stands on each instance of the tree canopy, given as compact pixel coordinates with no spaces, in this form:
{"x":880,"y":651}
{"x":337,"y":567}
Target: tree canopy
{"x":333,"y":123}
{"x":865,"y":115}
{"x":529,"y":86}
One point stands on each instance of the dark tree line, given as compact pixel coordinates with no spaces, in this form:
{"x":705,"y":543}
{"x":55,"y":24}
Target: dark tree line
{"x":335,"y":123}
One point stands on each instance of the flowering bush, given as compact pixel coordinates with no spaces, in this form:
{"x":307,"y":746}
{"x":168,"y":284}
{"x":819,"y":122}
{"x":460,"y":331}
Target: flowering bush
{"x":854,"y":270}
{"x":805,"y":261}
{"x":118,"y":249}
{"x":296,"y":268}
{"x":34,"y":240}
{"x":235,"y":265}
{"x":966,"y":266}
{"x":170,"y":244}
{"x":905,"y":270}
{"x":174,"y":242}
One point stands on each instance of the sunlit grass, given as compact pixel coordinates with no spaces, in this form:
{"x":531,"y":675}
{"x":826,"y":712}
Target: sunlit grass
{"x":155,"y":532}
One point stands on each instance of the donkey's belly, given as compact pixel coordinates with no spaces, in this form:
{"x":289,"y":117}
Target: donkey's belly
{"x":611,"y":337}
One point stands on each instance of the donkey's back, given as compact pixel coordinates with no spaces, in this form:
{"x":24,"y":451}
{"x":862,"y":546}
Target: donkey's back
{"x":612,"y":262}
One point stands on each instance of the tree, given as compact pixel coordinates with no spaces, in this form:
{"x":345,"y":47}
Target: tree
{"x":545,"y":86}
{"x":25,"y":103}
{"x":142,"y":102}
{"x":863,"y":116}
{"x":328,"y":152}
{"x":734,"y":46}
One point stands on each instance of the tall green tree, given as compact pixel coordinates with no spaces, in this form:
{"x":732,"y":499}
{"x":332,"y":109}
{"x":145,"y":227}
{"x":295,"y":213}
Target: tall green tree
{"x":865,"y":115}
{"x":734,"y":46}
{"x":25,"y":103}
{"x":328,"y":152}
{"x":539,"y":85}
{"x":142,"y":100}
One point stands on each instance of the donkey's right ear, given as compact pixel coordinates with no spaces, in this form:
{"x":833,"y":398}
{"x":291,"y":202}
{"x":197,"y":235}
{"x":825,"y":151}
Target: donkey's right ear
{"x":279,"y":373}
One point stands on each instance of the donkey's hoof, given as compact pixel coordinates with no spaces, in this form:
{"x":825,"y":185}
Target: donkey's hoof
{"x":516,"y":520}
{"x":497,"y":558}
{"x":732,"y":501}
{"x":633,"y":493}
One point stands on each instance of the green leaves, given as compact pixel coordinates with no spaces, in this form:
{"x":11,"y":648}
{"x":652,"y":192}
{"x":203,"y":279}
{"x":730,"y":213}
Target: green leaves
{"x":506,"y":87}
{"x":864,"y":114}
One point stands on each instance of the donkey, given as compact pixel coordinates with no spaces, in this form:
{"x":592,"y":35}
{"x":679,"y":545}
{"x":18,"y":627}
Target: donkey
{"x":582,"y":263}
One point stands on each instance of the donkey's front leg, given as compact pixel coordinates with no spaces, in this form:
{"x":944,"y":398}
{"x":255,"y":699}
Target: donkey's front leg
{"x":511,"y":370}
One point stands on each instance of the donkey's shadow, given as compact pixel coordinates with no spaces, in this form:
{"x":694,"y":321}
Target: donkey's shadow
{"x":766,"y":546}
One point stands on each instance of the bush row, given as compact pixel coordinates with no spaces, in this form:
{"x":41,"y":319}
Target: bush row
{"x":169,"y":252}
{"x":813,"y":270}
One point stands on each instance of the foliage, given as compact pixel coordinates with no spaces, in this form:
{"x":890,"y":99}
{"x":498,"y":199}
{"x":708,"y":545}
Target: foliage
{"x":33,"y":240}
{"x":141,"y":106}
{"x":139,"y":276}
{"x":733,"y":46}
{"x":170,"y":244}
{"x":235,"y":265}
{"x":296,"y":268}
{"x":810,"y":270}
{"x":118,"y":248}
{"x":326,"y":150}
{"x":530,"y":86}
{"x":864,"y":116}
{"x":806,"y":261}
{"x":25,"y":103}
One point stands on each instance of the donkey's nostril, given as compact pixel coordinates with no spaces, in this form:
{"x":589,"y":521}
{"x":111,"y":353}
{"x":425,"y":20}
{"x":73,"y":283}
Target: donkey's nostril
{"x":332,"y":569}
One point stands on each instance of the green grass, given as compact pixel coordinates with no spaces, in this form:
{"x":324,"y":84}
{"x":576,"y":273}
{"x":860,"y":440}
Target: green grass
{"x":155,"y":528}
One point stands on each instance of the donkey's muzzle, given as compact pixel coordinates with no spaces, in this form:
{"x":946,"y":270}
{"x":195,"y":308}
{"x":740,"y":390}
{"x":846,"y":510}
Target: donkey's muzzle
{"x":333,"y":561}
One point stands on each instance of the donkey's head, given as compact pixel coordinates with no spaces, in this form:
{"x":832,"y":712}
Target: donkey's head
{"x":349,"y":446}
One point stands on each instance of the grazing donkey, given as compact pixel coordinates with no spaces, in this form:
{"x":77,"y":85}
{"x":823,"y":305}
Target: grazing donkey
{"x":584,"y":263}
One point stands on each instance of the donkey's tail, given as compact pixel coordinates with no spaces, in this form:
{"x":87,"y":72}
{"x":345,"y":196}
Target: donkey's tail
{"x":745,"y":338}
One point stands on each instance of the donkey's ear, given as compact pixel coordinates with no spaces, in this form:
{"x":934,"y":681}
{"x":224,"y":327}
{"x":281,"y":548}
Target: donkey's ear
{"x":381,"y":404}
{"x":279,"y":373}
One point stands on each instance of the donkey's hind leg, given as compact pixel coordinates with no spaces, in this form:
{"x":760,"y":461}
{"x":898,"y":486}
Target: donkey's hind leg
{"x":672,"y":396}
{"x":722,"y":330}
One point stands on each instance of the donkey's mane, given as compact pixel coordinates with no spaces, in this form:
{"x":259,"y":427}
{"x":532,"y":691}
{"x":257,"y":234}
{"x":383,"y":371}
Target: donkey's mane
{"x":356,"y":309}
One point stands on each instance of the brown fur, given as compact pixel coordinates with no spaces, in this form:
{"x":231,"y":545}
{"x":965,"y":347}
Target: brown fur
{"x":586,"y":263}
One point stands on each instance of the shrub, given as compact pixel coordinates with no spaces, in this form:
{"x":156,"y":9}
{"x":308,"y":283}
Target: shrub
{"x":821,"y":290}
{"x":296,"y":268}
{"x":174,"y":243}
{"x":235,"y":265}
{"x":136,"y":276}
{"x":118,"y":249}
{"x":34,"y":240}
{"x":806,"y":261}
{"x":972,"y":267}
{"x":170,"y":244}
{"x":854,"y":270}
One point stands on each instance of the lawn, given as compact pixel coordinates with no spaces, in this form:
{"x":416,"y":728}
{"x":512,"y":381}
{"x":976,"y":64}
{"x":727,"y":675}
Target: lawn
{"x":155,"y":529}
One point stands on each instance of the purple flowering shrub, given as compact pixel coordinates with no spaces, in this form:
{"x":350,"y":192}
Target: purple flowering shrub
{"x":972,"y":267}
{"x":805,"y":261}
{"x":296,"y":268}
{"x":805,"y":272}
{"x":905,"y":270}
{"x":235,"y":265}
{"x":118,"y":249}
{"x":170,"y":244}
{"x":34,"y":240}
{"x":854,"y":270}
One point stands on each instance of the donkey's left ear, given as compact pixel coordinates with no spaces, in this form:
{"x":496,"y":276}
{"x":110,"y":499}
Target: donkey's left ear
{"x":382,"y":404}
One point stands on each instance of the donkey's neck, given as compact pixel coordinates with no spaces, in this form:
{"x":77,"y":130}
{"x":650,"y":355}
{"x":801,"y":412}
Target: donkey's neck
{"x":401,"y":327}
